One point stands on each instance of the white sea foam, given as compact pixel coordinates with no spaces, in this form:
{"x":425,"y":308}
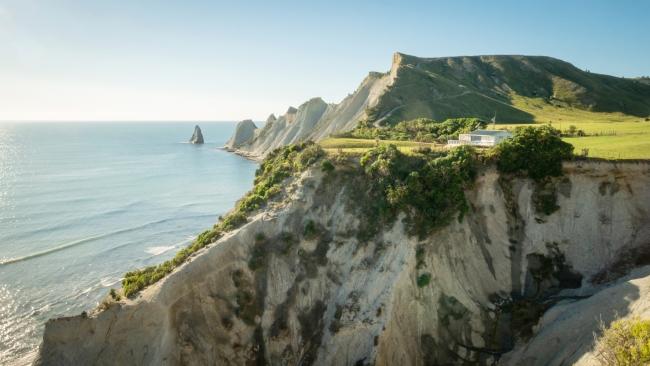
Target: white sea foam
{"x":163,"y":249}
{"x":109,"y":281}
{"x":159,"y":250}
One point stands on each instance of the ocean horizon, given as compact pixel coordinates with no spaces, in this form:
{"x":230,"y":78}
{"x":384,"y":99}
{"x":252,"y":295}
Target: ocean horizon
{"x":82,"y":203}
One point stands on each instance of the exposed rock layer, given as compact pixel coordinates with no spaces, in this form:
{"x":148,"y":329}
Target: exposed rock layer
{"x":275,"y":292}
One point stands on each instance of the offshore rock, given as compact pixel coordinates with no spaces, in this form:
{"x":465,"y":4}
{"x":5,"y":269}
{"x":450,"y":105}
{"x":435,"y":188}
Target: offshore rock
{"x":197,"y":136}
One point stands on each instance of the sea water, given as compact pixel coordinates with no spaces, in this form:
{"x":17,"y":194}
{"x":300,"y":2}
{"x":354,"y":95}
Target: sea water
{"x":83,"y":203}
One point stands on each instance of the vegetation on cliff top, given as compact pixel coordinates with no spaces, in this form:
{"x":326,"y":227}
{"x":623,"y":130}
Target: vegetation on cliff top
{"x":420,"y":130}
{"x":536,"y":151}
{"x":428,"y":188}
{"x":279,"y":165}
{"x":625,"y":342}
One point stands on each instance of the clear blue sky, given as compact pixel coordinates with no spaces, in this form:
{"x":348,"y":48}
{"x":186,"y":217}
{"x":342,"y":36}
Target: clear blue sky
{"x":229,"y":60}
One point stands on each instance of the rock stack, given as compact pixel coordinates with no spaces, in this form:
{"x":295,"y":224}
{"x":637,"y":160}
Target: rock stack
{"x":197,"y":136}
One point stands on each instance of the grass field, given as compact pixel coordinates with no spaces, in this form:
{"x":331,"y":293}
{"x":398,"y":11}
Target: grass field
{"x":351,"y":145}
{"x":611,"y":135}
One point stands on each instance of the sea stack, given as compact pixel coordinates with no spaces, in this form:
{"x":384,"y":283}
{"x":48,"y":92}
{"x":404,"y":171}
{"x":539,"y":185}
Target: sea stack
{"x":197,"y":136}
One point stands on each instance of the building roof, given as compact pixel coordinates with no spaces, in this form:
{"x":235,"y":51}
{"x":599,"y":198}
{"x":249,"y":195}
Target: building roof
{"x":490,"y":133}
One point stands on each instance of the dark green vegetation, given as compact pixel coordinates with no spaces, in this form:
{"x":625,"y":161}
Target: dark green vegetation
{"x":420,"y":130}
{"x":327,"y":166}
{"x":536,"y":152}
{"x":480,"y":86}
{"x":310,"y":231}
{"x":424,"y":279}
{"x":428,"y":188}
{"x":114,"y":295}
{"x":279,"y":165}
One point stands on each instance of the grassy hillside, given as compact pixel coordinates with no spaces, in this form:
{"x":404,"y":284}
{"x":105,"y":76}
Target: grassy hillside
{"x":612,"y":113}
{"x":479,"y":86}
{"x":609,"y":135}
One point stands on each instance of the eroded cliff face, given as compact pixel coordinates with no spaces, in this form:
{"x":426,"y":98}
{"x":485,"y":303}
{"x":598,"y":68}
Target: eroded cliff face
{"x":244,"y":131}
{"x":296,"y":286}
{"x":315,"y":119}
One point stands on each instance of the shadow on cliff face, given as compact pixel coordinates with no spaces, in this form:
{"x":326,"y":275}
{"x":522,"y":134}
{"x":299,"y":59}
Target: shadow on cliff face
{"x":567,"y":329}
{"x":512,"y":320}
{"x":626,"y":261}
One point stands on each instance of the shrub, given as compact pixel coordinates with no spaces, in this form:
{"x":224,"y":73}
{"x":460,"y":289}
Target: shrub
{"x":420,"y":129}
{"x":327,"y":166}
{"x":424,"y":279}
{"x":429,"y":189}
{"x":114,"y":295}
{"x":625,"y":342}
{"x":545,"y":197}
{"x":536,"y":151}
{"x":310,"y":231}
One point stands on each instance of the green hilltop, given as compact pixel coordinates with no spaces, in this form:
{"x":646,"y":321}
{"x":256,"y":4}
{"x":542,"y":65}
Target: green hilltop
{"x":480,"y":86}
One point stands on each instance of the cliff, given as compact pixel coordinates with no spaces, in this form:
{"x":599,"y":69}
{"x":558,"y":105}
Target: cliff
{"x":315,"y":119}
{"x":298,"y":284}
{"x":451,"y":87}
{"x":244,"y":131}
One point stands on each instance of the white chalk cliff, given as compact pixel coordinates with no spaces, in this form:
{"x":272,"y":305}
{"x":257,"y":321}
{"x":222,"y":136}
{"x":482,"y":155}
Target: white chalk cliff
{"x":316,"y":119}
{"x":244,"y":131}
{"x":329,"y":299}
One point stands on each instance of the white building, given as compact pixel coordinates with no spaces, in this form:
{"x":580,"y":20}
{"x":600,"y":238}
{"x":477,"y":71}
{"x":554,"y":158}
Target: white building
{"x":485,"y":138}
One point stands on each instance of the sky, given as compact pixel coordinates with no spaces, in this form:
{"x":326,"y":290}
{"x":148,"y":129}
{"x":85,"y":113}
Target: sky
{"x":157,"y":60}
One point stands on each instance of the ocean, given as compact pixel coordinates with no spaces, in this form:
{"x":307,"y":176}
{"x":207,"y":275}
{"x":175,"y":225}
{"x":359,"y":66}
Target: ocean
{"x":83,"y":203}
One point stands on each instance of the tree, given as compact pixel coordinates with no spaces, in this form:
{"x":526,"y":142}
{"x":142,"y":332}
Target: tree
{"x":536,"y":151}
{"x":572,"y":130}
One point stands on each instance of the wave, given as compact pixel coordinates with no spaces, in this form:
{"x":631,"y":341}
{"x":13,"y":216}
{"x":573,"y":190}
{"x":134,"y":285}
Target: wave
{"x":158,"y":250}
{"x":109,"y":281}
{"x":52,"y":250}
{"x":83,"y":241}
{"x":72,"y":222}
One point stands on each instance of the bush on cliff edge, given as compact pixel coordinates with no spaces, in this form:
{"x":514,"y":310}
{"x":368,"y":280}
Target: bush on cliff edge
{"x":536,"y":151}
{"x":428,"y":188}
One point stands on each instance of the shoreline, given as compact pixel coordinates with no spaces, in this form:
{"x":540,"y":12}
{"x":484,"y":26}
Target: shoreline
{"x":243,"y":154}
